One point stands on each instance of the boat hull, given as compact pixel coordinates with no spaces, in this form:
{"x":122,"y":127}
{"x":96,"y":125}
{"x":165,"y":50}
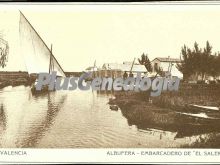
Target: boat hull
{"x":45,"y":89}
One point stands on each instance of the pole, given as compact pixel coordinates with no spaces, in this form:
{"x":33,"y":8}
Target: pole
{"x":50,"y":58}
{"x":132,"y":65}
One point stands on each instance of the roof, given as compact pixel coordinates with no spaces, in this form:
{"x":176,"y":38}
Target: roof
{"x":166,"y":59}
{"x":127,"y":62}
{"x":124,"y":67}
{"x":130,"y":63}
{"x":90,"y":68}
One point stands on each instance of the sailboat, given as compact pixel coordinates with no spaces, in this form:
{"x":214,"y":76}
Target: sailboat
{"x":38,"y":57}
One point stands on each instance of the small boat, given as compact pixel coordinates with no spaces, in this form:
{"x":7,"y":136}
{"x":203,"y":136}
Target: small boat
{"x":43,"y":90}
{"x":38,"y":57}
{"x":201,"y":108}
{"x":114,"y":107}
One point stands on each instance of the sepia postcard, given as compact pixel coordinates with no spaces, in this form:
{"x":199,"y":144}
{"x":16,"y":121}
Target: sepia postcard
{"x":110,"y":82}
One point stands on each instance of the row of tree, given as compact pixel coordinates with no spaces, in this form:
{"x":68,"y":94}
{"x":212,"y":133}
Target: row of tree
{"x":199,"y":61}
{"x":195,"y":61}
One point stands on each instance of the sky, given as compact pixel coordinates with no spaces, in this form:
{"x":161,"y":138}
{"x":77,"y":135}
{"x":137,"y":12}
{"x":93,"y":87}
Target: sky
{"x":81,"y":34}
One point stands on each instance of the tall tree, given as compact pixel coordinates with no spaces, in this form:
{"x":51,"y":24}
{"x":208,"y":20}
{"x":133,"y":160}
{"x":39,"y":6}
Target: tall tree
{"x":205,"y":60}
{"x":187,"y":66}
{"x":197,"y":61}
{"x":215,"y":65}
{"x":144,"y":60}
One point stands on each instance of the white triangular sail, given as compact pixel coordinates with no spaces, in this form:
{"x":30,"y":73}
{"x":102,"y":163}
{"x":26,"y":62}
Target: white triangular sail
{"x":35,"y":52}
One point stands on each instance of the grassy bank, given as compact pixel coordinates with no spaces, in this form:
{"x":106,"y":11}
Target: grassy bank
{"x":189,"y":94}
{"x":162,"y":112}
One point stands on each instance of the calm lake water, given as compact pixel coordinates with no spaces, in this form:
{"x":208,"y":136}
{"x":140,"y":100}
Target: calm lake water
{"x":72,"y":119}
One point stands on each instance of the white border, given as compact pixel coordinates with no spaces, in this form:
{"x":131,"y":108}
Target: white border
{"x":100,"y":155}
{"x":197,"y":156}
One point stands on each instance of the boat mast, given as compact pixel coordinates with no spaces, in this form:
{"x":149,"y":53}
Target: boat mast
{"x":132,"y":65}
{"x":94,"y":69}
{"x":50,"y":58}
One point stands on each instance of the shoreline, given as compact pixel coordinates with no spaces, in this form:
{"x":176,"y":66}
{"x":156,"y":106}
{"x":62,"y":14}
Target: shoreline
{"x":169,"y":110}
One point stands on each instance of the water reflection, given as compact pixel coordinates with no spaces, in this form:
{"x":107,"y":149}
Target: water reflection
{"x":182,"y":124}
{"x":37,"y":131}
{"x":169,"y":123}
{"x":25,"y":121}
{"x":2,"y":118}
{"x":79,"y":119}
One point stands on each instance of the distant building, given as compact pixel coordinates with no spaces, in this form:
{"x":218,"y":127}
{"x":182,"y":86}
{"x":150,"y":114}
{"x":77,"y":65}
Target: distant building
{"x":119,"y":69}
{"x":73,"y":74}
{"x":130,"y":63}
{"x":91,"y":69}
{"x":124,"y":67}
{"x":167,"y":65}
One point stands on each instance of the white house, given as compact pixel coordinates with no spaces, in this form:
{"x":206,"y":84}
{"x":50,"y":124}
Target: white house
{"x":120,"y":69}
{"x":168,"y":65}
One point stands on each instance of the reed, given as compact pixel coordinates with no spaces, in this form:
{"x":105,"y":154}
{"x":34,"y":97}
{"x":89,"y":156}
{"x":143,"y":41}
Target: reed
{"x":189,"y":94}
